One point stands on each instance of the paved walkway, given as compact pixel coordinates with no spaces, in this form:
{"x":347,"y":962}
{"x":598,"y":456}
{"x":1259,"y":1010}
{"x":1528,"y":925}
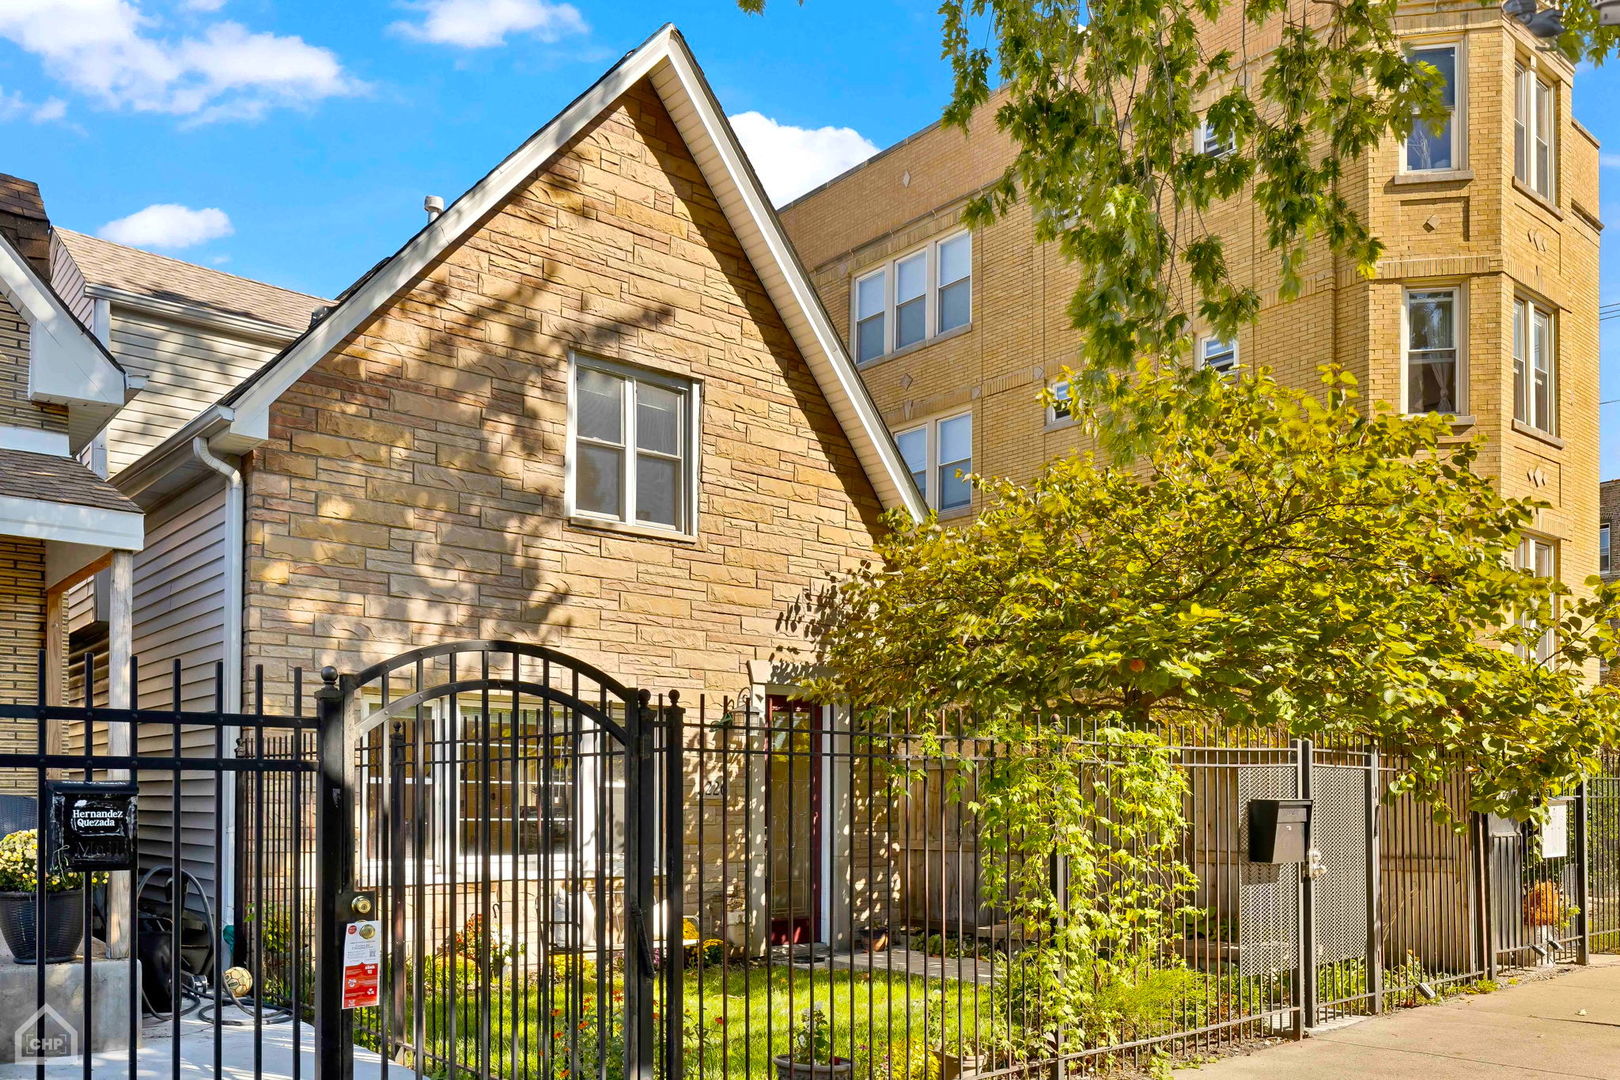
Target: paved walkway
{"x":1565,"y":1026}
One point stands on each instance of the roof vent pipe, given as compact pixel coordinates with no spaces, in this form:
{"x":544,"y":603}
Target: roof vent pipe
{"x":434,"y":205}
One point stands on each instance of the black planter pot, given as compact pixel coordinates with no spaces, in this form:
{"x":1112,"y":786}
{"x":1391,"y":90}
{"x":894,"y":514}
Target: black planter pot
{"x":788,"y":1069}
{"x":64,"y":925}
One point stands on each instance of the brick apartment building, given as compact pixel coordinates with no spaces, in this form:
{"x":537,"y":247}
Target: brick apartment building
{"x":1484,"y":305}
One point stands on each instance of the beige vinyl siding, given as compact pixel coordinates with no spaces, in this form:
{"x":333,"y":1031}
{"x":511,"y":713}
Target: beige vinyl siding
{"x":187,"y":369}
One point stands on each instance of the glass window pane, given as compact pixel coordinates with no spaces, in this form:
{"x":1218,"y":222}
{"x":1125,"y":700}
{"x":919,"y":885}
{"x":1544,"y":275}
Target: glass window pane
{"x":1521,"y":120}
{"x":599,"y":480}
{"x":955,"y":259}
{"x":1429,"y":146}
{"x":1443,"y":59}
{"x":869,"y":295}
{"x":954,"y":490}
{"x":956,"y":438}
{"x":658,"y":418}
{"x":600,"y":414}
{"x":955,"y":303}
{"x":913,"y":446}
{"x":1521,"y":384}
{"x":910,"y":322}
{"x":1220,"y":355}
{"x":1431,"y":382}
{"x":1430,"y":320}
{"x":869,"y":338}
{"x":1603,"y":548}
{"x":658,"y":490}
{"x":911,"y":278}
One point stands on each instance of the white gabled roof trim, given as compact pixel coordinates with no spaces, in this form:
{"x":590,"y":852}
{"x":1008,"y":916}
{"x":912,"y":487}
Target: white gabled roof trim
{"x":66,"y":365}
{"x":665,"y":59}
{"x":68,"y":523}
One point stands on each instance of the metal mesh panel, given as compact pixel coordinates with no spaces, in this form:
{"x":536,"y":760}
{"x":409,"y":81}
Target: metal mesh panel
{"x":1339,"y":833}
{"x":1268,"y":895}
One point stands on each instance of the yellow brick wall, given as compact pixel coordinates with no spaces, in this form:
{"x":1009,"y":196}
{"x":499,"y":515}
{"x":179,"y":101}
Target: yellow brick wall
{"x":1476,"y":228}
{"x":22,"y":636}
{"x":411,"y":489}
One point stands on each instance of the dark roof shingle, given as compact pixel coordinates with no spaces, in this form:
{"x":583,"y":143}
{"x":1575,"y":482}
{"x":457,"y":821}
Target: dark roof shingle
{"x":49,"y":478}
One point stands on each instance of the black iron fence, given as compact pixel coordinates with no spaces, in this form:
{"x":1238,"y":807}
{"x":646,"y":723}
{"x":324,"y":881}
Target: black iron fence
{"x":571,"y":878}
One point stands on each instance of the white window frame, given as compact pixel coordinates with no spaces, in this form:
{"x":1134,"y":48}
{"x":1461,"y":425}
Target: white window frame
{"x":691,"y":448}
{"x":890,"y":270}
{"x":1459,"y":293}
{"x":1605,"y":552}
{"x":1459,"y":107}
{"x":1054,"y":418}
{"x":1231,"y":345}
{"x":1524,"y":558}
{"x":1525,"y":353}
{"x":1530,"y":113}
{"x":1209,"y":143}
{"x":932,"y":464}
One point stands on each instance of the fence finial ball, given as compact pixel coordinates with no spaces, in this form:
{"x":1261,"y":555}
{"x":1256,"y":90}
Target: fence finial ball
{"x":675,"y":698}
{"x":329,"y":675}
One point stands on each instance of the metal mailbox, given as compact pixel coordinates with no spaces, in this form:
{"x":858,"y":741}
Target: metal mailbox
{"x":1277,"y":829}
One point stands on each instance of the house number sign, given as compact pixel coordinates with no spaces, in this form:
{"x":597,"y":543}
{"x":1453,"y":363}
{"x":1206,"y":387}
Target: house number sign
{"x":92,"y":824}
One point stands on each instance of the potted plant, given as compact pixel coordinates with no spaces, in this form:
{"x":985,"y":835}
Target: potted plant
{"x":64,"y":901}
{"x":810,"y":1055}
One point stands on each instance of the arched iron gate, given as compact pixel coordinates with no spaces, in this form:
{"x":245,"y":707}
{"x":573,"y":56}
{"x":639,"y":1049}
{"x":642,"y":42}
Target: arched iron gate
{"x":495,"y":823}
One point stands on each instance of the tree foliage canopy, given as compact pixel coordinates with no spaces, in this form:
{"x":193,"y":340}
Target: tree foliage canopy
{"x":1277,"y":559}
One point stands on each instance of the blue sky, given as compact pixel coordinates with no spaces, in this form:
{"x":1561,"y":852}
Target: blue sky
{"x":293,"y":140}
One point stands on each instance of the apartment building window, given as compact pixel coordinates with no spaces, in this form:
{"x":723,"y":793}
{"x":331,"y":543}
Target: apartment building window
{"x":1603,"y":548}
{"x":1212,"y":144}
{"x":1061,"y":410}
{"x":1435,"y":146}
{"x":1539,"y":557}
{"x":1433,"y":354}
{"x":1534,"y":116}
{"x":1218,"y":354}
{"x":1535,"y":367}
{"x":935,"y":452}
{"x":632,"y":447}
{"x":913,"y":298}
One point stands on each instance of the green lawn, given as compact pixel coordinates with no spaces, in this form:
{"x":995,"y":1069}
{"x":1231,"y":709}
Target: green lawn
{"x":738,"y":1018}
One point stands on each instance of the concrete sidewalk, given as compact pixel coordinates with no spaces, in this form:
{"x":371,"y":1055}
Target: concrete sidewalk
{"x":1534,"y":1030}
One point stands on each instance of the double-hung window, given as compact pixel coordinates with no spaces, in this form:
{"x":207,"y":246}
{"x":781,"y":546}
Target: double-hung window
{"x":1603,"y":549}
{"x":1218,"y":354}
{"x":908,"y":300}
{"x":1535,"y":367}
{"x":939,"y":455}
{"x":1434,"y":145}
{"x":1539,"y":557}
{"x":1061,"y":409}
{"x":1534,"y":121}
{"x":1433,"y":356}
{"x":632,"y":447}
{"x":1212,"y":144}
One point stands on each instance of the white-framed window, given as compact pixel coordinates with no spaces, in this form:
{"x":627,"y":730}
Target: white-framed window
{"x":1433,"y":355}
{"x":632,"y":446}
{"x":1211,"y":143}
{"x":1539,"y":557}
{"x":1218,"y":353}
{"x":1535,"y":366}
{"x":939,"y":454}
{"x":919,"y":295}
{"x":1535,"y":115}
{"x":1061,"y":409}
{"x":1603,"y":549}
{"x":1436,"y":147}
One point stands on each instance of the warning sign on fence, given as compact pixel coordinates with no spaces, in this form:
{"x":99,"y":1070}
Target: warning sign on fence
{"x":362,"y":958}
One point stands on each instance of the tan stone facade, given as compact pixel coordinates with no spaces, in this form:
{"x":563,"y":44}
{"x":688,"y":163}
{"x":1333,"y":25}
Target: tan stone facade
{"x":412,"y":489}
{"x":1474,"y":228}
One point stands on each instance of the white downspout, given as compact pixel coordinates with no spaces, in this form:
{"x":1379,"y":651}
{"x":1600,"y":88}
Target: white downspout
{"x":234,"y":514}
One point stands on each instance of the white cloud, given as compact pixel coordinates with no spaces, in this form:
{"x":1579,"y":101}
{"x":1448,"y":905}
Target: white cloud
{"x":792,"y":160}
{"x":477,"y":24}
{"x":1609,"y":161}
{"x":49,"y":109}
{"x":202,"y":5}
{"x":13,"y":106}
{"x":110,"y":51}
{"x":168,"y":225}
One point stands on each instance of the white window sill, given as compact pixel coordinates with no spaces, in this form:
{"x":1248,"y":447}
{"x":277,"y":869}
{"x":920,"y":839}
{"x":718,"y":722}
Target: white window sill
{"x":1433,"y":176}
{"x":915,"y":346}
{"x":1538,"y":198}
{"x":625,"y":528}
{"x":1536,"y":433}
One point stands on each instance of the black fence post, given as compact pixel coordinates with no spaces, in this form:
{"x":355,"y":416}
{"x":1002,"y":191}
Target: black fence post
{"x":1307,"y":893}
{"x":674,"y":886}
{"x":1375,"y":857}
{"x":640,"y":801}
{"x":334,"y":882}
{"x":1583,"y":883}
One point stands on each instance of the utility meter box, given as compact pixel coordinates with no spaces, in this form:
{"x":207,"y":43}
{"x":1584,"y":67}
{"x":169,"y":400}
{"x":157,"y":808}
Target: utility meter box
{"x":1277,"y":830}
